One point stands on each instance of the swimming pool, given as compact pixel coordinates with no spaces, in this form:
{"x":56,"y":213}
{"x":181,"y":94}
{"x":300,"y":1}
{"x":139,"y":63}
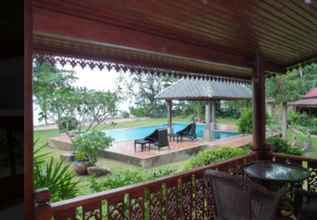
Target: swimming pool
{"x":124,"y":134}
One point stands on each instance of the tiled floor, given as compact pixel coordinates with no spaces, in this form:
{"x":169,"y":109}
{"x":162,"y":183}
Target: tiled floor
{"x":127,"y":147}
{"x":124,"y":150}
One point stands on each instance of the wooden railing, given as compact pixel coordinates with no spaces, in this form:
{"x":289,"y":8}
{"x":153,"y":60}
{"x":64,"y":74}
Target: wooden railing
{"x":183,"y":196}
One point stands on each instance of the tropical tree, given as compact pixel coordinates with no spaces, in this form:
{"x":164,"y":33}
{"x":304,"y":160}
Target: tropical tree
{"x":48,"y":81}
{"x":143,"y":88}
{"x":291,"y":86}
{"x":71,"y":107}
{"x":89,"y":108}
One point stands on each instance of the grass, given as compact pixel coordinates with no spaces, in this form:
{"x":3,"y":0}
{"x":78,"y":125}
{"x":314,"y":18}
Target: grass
{"x":113,"y":165}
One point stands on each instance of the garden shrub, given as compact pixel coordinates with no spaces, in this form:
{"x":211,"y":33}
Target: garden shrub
{"x":159,"y":172}
{"x":303,"y":120}
{"x":245,"y":121}
{"x":138,"y":111}
{"x":127,"y":177}
{"x":87,"y":145}
{"x":54,"y":174}
{"x":67,"y":124}
{"x":313,"y":130}
{"x":293,"y":117}
{"x":279,"y":145}
{"x":209,"y":156}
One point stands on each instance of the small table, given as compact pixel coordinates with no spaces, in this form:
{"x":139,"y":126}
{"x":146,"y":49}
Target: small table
{"x":267,"y":172}
{"x":271,"y":171}
{"x":143,"y":144}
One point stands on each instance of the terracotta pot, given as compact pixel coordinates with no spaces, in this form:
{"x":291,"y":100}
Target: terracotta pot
{"x":80,"y":167}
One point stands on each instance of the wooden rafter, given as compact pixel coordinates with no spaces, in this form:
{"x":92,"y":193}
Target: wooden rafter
{"x":61,"y":24}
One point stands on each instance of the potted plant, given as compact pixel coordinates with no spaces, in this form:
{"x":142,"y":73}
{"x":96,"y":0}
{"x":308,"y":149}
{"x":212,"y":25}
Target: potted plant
{"x":81,"y":163}
{"x":86,"y":147}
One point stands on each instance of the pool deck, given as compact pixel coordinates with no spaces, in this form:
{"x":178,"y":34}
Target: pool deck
{"x":124,"y":150}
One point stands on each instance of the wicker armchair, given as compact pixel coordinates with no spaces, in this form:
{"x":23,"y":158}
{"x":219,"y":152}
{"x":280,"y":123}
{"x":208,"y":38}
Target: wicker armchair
{"x":306,"y":205}
{"x":237,"y":198}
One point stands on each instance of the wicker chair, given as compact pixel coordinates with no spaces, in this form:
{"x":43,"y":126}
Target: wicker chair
{"x":306,"y":205}
{"x":237,"y":198}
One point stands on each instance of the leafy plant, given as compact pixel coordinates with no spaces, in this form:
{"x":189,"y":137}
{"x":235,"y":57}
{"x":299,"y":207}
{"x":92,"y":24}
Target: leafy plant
{"x":293,"y":85}
{"x":128,"y":177}
{"x":48,"y":81}
{"x":245,"y":121}
{"x":209,"y":156}
{"x":159,"y":172}
{"x":87,"y":145}
{"x":137,"y":111}
{"x":54,"y":174}
{"x":142,"y":90}
{"x":279,"y":145}
{"x":67,"y":123}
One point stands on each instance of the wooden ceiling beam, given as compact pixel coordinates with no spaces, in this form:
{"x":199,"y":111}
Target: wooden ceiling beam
{"x":71,"y":26}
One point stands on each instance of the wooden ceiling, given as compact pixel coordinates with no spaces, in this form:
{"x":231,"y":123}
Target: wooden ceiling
{"x":215,"y":31}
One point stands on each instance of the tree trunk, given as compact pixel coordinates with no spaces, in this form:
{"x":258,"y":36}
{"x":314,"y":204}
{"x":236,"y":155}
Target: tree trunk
{"x":284,"y":120}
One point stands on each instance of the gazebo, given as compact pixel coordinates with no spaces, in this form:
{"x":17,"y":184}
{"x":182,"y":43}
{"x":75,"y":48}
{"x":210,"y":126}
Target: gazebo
{"x":207,"y":91}
{"x":308,"y":102}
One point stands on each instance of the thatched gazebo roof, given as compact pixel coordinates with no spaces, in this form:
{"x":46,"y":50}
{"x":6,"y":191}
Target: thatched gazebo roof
{"x":187,"y":89}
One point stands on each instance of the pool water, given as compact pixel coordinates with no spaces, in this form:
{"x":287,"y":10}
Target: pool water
{"x":124,"y":134}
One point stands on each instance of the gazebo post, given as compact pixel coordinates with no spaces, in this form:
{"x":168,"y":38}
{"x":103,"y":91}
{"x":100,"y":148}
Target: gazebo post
{"x":213,"y":115}
{"x":169,"y":115}
{"x":258,"y":82}
{"x":208,"y":119}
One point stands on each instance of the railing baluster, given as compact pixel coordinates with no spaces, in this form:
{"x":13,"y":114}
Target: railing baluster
{"x":115,"y":208}
{"x":136,"y":205}
{"x":210,"y":205}
{"x":156,"y":201}
{"x":92,"y":210}
{"x":187,"y":197}
{"x":199,"y":197}
{"x":171,"y":203}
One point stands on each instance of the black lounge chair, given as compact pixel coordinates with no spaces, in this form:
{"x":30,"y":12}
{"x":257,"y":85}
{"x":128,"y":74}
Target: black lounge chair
{"x":150,"y":139}
{"x":189,"y":131}
{"x":159,"y":138}
{"x":162,"y":139}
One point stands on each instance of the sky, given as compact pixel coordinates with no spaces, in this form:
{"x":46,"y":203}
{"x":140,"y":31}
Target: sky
{"x":91,"y":79}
